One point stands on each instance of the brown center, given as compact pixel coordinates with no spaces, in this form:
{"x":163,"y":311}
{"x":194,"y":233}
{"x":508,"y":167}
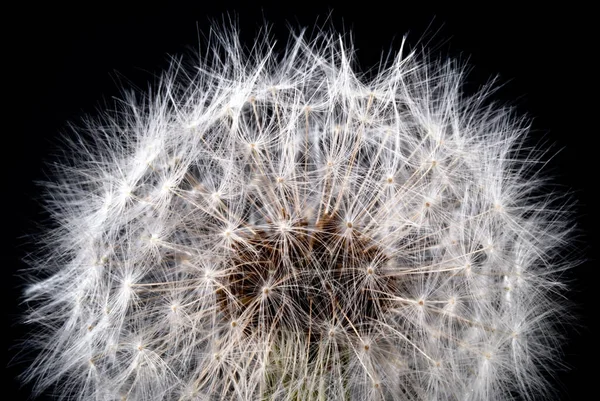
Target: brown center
{"x":312,"y":277}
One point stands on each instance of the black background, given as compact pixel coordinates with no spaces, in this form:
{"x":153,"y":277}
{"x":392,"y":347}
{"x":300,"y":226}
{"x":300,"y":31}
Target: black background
{"x":63,"y":64}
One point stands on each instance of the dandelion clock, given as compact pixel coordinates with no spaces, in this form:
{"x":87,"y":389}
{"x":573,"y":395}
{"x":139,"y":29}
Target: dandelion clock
{"x":269,"y":223}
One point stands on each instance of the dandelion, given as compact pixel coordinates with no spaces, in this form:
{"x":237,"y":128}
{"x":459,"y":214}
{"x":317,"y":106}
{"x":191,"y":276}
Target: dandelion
{"x":277,"y":226}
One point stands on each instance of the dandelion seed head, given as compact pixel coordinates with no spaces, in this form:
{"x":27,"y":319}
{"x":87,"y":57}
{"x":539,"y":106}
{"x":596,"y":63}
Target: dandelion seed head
{"x":277,"y":226}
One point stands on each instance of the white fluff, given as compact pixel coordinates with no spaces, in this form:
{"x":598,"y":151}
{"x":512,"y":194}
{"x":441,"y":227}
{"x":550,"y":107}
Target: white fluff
{"x":276,"y":226}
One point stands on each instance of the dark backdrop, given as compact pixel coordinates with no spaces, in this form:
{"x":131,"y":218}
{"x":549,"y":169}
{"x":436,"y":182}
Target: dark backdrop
{"x":63,"y":63}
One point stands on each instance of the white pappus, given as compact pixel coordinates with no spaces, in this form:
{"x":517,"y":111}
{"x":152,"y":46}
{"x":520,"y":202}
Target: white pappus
{"x":278,"y":226}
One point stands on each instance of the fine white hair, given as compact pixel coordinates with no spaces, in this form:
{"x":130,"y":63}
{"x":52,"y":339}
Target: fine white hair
{"x":277,"y":226}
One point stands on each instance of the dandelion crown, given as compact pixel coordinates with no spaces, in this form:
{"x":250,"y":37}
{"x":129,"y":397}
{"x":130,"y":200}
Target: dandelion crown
{"x":277,"y":227}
